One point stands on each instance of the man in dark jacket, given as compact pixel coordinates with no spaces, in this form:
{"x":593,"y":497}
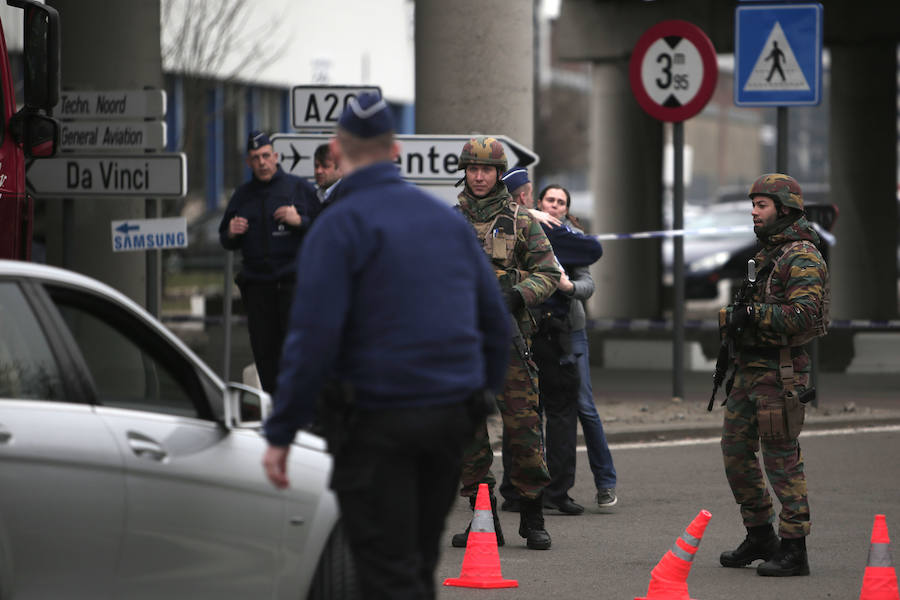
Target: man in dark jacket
{"x":266,"y":219}
{"x":395,"y":300}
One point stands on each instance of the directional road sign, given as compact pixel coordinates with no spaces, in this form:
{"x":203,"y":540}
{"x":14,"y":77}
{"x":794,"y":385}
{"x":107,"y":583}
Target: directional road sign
{"x":673,"y":70}
{"x":124,"y":136}
{"x":318,"y":107}
{"x":778,"y":54}
{"x":114,"y":104}
{"x":423,"y":159}
{"x":149,"y":234}
{"x":162,"y":175}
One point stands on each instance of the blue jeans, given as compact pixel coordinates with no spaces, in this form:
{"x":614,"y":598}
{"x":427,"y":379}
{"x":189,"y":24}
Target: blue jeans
{"x":597,"y":449}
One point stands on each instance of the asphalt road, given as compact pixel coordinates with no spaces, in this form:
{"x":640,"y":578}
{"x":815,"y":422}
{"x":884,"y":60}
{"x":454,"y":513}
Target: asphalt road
{"x":852,"y":475}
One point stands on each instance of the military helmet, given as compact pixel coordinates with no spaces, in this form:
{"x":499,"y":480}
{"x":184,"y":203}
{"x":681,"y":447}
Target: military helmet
{"x":482,"y":150}
{"x":777,"y":186}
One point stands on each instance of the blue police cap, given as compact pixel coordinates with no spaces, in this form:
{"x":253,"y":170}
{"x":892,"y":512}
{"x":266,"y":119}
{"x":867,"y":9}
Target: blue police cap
{"x":515,"y":178}
{"x":367,"y":116}
{"x":257,"y":139}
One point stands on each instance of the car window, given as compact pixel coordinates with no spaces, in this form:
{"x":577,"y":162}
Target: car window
{"x":28,"y":369}
{"x":131,"y":365}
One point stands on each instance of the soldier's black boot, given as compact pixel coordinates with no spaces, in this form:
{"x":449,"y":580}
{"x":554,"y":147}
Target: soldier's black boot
{"x":531,"y":524}
{"x":790,"y":559}
{"x":460,"y":540}
{"x":760,"y":543}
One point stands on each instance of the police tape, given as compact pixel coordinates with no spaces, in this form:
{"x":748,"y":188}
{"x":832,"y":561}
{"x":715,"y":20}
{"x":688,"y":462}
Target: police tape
{"x":671,"y":233}
{"x":713,"y":324}
{"x":665,"y":233}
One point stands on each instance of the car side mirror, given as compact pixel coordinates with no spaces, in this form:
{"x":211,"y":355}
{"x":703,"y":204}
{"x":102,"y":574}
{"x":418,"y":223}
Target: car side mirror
{"x":246,"y":407}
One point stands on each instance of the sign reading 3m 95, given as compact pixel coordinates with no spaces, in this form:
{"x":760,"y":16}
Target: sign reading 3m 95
{"x":673,"y":70}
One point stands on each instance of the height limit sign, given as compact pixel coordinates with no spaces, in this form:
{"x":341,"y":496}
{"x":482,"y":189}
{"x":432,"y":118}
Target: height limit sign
{"x":673,"y":70}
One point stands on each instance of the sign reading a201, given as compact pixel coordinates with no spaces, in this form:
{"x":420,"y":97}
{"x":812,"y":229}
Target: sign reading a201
{"x":318,"y":107}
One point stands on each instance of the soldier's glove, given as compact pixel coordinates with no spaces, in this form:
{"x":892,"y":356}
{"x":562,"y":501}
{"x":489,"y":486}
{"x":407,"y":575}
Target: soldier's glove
{"x":514,"y":300}
{"x":739,"y":317}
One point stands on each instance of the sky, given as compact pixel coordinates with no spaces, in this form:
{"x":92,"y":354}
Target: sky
{"x":344,"y":42}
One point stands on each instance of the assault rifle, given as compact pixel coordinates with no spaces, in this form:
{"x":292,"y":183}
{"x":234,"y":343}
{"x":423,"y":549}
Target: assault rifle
{"x":507,"y":279}
{"x":726,"y":349}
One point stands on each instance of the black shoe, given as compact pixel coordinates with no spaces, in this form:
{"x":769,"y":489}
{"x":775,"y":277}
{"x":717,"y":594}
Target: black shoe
{"x":511,"y":505}
{"x":459,"y":540}
{"x":790,"y":559}
{"x":565,"y":506}
{"x":531,"y":525}
{"x":760,"y":543}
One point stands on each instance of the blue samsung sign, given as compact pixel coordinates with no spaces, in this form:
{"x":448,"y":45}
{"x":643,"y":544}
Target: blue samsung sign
{"x":778,"y":54}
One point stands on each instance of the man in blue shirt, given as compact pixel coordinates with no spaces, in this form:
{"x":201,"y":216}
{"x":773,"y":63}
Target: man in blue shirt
{"x":395,"y":300}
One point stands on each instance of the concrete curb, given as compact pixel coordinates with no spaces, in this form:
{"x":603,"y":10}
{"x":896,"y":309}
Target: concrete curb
{"x":655,"y":432}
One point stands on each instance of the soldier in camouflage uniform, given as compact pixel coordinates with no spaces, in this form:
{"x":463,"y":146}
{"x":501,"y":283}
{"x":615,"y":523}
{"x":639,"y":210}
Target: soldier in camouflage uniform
{"x":524,"y":263}
{"x":785,"y":308}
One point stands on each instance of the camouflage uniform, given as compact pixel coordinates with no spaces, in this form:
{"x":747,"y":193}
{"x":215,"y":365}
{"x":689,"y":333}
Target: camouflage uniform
{"x":523,"y":260}
{"x":789,"y":308}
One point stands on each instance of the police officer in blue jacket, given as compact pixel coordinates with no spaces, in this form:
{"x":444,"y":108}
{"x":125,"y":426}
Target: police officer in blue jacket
{"x":395,"y":300}
{"x":266,"y":219}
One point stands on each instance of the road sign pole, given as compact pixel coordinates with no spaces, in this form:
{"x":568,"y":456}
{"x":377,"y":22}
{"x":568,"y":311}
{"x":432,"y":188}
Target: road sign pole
{"x":678,"y":261}
{"x":154,"y":260}
{"x":226,"y":315}
{"x":673,"y":74}
{"x":781,"y":147}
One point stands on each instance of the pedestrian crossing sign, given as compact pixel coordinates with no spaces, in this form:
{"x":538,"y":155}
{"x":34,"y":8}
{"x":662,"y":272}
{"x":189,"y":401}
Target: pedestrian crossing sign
{"x":778,"y":54}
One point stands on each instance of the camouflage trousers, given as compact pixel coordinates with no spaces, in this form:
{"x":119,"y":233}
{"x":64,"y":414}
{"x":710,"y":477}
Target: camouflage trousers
{"x":518,"y":406}
{"x":782,"y":459}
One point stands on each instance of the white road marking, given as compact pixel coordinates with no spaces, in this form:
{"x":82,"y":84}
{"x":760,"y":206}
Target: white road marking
{"x":715,"y":440}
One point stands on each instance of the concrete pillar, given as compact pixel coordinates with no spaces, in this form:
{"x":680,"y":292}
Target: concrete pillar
{"x":863,"y":163}
{"x":475,"y":68}
{"x":626,"y":183}
{"x":106,"y":45}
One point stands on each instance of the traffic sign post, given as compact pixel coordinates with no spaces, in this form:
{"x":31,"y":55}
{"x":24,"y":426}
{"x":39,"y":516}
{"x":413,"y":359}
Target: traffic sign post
{"x":778,"y":54}
{"x":162,"y":175}
{"x":673,"y":74}
{"x":318,"y":107}
{"x":424,"y":159}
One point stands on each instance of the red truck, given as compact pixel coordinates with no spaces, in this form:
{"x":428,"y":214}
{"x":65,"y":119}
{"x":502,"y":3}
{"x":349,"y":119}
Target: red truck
{"x":29,"y":132}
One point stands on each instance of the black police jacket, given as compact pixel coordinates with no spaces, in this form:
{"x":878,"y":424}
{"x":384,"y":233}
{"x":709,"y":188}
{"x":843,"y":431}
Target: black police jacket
{"x":269,"y":248}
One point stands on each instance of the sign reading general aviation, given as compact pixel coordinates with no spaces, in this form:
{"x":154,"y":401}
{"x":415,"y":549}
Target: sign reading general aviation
{"x":673,"y":70}
{"x":778,"y":54}
{"x":126,"y":136}
{"x":161,"y":175}
{"x":318,"y":107}
{"x":149,"y":234}
{"x":427,"y":159}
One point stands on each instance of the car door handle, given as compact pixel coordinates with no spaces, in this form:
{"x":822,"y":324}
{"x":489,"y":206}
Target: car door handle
{"x":5,"y":436}
{"x":144,"y":447}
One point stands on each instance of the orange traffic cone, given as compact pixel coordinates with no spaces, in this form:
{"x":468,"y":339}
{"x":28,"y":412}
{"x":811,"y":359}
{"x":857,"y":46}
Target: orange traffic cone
{"x":880,"y":579}
{"x":668,"y":579}
{"x":481,"y":563}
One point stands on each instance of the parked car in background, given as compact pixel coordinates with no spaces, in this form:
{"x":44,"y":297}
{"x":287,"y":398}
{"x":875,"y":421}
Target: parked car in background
{"x":128,"y":469}
{"x":714,"y":264}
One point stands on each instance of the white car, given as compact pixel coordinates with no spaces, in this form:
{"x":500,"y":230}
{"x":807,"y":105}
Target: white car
{"x":128,"y":469}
